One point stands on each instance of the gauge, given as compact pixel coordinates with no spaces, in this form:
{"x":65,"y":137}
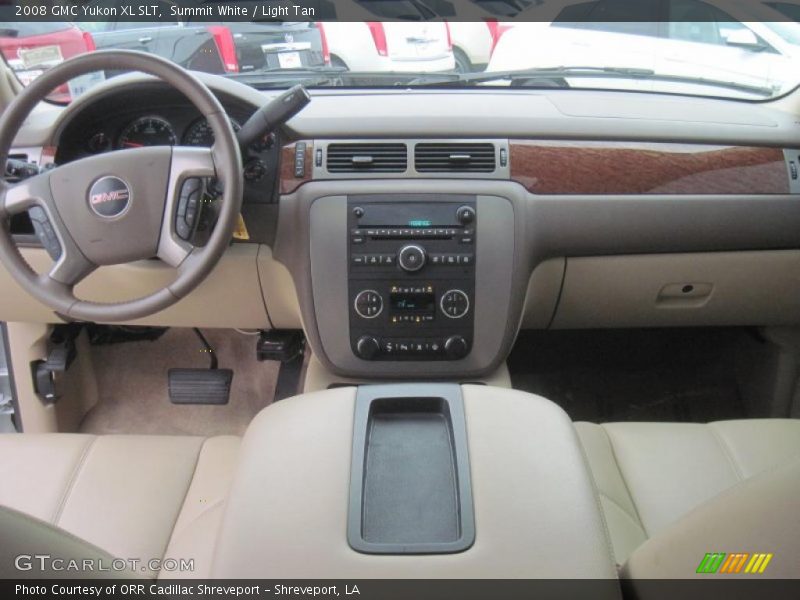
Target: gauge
{"x":99,"y":142}
{"x":201,"y":134}
{"x":147,"y":131}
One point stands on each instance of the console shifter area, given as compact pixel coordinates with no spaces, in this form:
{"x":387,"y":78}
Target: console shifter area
{"x":412,"y":276}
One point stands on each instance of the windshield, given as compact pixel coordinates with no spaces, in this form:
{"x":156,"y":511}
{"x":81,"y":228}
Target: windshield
{"x":728,"y":48}
{"x":788,"y":31}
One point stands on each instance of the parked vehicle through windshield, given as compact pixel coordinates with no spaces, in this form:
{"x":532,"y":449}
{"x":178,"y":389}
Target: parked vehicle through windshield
{"x":728,"y":48}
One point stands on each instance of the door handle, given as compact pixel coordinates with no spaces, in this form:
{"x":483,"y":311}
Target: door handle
{"x":144,"y":40}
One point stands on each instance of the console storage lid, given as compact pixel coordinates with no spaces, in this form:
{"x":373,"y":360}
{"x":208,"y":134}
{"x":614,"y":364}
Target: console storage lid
{"x":535,"y":508}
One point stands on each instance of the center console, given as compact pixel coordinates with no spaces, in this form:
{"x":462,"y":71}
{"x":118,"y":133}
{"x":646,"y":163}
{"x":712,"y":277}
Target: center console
{"x":411,"y":276}
{"x":413,"y":481}
{"x":407,"y":278}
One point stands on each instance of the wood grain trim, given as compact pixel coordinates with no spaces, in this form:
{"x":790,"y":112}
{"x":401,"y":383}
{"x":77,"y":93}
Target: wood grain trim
{"x":48,"y":155}
{"x":560,"y":167}
{"x":288,"y":181}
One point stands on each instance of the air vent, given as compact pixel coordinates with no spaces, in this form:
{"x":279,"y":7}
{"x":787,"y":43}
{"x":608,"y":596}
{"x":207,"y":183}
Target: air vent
{"x":367,"y":158}
{"x":454,"y":158}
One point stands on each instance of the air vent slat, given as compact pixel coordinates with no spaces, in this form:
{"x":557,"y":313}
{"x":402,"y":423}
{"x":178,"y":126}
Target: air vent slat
{"x":367,"y":158}
{"x":456,"y":157}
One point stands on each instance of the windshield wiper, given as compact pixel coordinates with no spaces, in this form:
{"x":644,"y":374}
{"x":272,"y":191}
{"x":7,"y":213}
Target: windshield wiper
{"x":277,"y":77}
{"x":562,"y":73}
{"x":521,"y":74}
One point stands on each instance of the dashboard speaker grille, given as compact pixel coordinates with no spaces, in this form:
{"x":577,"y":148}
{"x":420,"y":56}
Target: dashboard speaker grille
{"x":367,"y":158}
{"x":454,"y":158}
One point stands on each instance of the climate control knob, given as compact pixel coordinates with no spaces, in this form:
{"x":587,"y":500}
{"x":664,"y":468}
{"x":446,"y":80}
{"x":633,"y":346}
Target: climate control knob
{"x":368,"y":304}
{"x":456,"y":347}
{"x":454,"y":303}
{"x":367,"y":347}
{"x":411,"y":258}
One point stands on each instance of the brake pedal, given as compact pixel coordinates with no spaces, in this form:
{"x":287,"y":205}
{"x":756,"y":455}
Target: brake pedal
{"x":200,"y":386}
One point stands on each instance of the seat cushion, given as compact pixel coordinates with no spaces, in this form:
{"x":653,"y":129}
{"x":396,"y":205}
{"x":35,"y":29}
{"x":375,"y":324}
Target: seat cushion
{"x":121,"y":493}
{"x":195,"y":532}
{"x":649,"y":475}
{"x":755,"y":522}
{"x":21,"y":533}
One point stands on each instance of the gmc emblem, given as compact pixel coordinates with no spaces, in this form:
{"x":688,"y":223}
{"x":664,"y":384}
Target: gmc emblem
{"x":109,"y":197}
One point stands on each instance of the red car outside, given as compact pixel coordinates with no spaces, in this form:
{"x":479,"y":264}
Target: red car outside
{"x":31,"y":48}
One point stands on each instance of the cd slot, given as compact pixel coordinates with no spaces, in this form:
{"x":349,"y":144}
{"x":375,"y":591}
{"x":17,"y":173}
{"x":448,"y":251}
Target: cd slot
{"x":393,"y":233}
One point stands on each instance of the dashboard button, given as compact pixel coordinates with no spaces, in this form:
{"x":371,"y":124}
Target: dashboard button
{"x":456,"y":347}
{"x":465,"y":215}
{"x":300,"y":159}
{"x":368,"y":304}
{"x":367,"y":347}
{"x":454,"y":304}
{"x":411,"y":258}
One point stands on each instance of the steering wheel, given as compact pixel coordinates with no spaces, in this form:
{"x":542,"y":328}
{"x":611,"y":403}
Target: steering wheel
{"x":122,"y":206}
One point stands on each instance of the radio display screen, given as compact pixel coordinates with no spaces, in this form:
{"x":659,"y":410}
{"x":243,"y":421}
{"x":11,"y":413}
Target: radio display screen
{"x":417,"y":303}
{"x":418,"y":215}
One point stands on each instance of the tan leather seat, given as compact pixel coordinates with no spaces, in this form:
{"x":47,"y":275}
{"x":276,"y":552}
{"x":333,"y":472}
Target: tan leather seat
{"x":134,"y":497}
{"x":751,"y":528}
{"x":34,"y":549}
{"x":649,"y":475}
{"x":155,"y":497}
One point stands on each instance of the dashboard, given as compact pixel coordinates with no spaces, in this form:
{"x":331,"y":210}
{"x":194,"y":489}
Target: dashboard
{"x":589,"y":209}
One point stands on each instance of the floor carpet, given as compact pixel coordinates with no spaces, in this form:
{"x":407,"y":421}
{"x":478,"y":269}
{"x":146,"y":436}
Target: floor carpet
{"x":132,"y":385}
{"x":632,"y":375}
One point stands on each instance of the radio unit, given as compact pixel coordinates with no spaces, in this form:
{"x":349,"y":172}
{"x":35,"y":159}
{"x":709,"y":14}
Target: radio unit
{"x":412,"y":276}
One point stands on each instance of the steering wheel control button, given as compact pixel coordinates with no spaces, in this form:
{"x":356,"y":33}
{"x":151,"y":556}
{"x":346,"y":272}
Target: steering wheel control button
{"x":368,"y":304}
{"x":44,"y":232}
{"x":109,"y":197}
{"x":411,"y":258}
{"x":454,"y":304}
{"x":188,"y":207}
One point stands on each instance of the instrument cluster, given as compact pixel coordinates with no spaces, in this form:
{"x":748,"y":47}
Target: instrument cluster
{"x":164,"y":124}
